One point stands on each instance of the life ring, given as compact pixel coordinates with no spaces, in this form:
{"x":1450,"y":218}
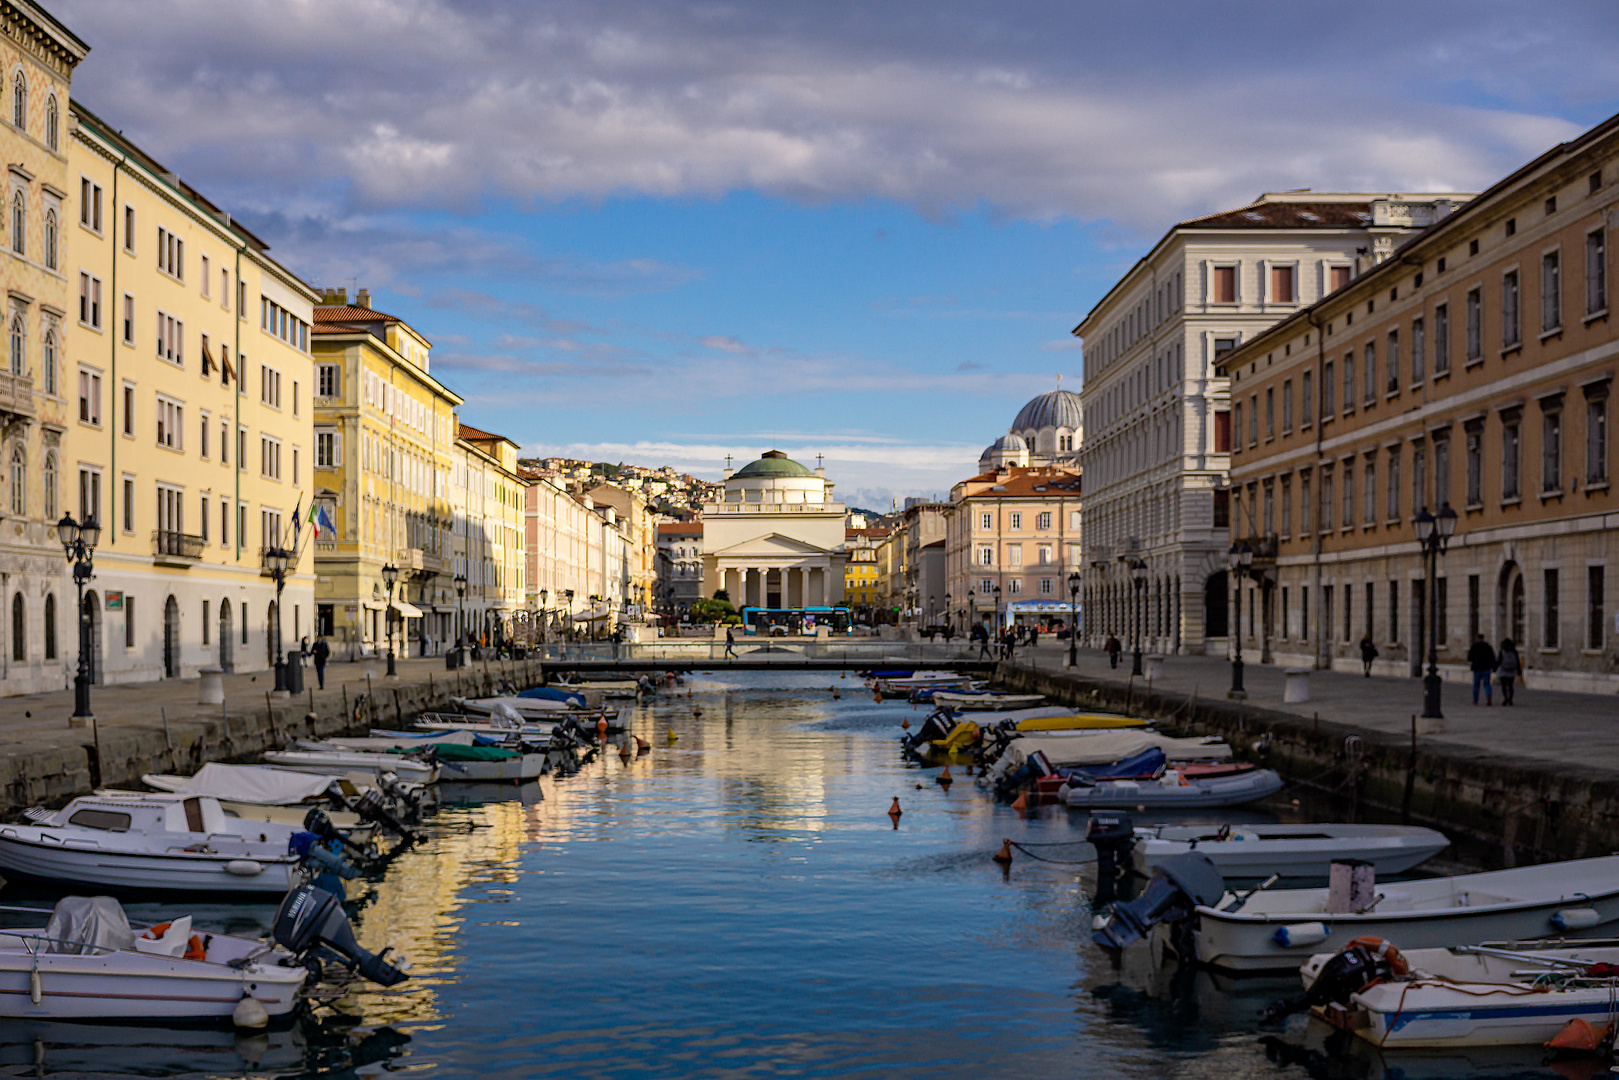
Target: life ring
{"x":1385,"y":949}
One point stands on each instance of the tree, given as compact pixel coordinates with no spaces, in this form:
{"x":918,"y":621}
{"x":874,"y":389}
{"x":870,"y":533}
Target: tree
{"x":716,"y":610}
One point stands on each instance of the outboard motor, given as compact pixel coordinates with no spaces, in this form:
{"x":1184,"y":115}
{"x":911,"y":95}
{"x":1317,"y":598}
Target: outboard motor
{"x":1179,"y":885}
{"x":1028,"y":774}
{"x":310,"y":919}
{"x":1113,"y":835}
{"x":372,"y":807}
{"x":1348,"y":972}
{"x":402,"y":796}
{"x":324,"y":860}
{"x":938,"y":724}
{"x":318,"y":822}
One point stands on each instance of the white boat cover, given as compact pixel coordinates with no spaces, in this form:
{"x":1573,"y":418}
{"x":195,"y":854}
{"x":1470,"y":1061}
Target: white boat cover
{"x":1109,"y":745}
{"x":251,"y":784}
{"x":95,"y":921}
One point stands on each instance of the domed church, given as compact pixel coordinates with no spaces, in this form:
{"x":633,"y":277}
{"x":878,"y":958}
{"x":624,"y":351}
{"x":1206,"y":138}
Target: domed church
{"x":777,"y":540}
{"x":1047,"y":431}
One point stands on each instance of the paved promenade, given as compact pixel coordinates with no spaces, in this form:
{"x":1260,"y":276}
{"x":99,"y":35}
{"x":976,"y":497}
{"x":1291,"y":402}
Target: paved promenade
{"x":1550,"y":726}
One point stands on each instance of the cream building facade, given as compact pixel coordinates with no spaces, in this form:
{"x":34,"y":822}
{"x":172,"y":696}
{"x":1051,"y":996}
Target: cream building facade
{"x":38,"y":637}
{"x":384,"y":449}
{"x":778,"y":538}
{"x":490,"y":527}
{"x":188,"y":379}
{"x":1011,"y":535}
{"x":1156,"y":446}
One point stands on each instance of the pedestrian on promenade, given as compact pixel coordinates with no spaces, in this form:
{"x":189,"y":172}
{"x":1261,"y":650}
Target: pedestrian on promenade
{"x":1008,"y":642}
{"x":1112,"y":648}
{"x":1481,"y":658}
{"x":1509,"y":669}
{"x":730,"y":643}
{"x":303,"y":647}
{"x":980,"y":635}
{"x":1368,"y":653}
{"x":1034,"y":636}
{"x":320,"y":651}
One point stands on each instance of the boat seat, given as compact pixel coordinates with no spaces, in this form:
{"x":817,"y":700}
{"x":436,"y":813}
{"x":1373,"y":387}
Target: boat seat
{"x":173,"y":941}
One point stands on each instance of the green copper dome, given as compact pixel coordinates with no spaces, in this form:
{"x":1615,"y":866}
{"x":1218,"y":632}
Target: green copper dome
{"x":773,"y":464}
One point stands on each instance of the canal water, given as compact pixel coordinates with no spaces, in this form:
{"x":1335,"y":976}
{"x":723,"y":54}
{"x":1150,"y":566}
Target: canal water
{"x":737,"y":904}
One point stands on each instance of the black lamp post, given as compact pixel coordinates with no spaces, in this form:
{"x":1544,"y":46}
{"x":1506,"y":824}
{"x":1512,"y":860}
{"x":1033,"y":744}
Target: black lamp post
{"x":79,"y":544}
{"x":545,"y":595}
{"x":461,"y":620}
{"x":276,"y":561}
{"x":1433,"y":533}
{"x":997,"y":612}
{"x":1073,"y":619}
{"x":1138,"y":578}
{"x":948,"y":614}
{"x":1239,"y":559}
{"x":390,"y":578}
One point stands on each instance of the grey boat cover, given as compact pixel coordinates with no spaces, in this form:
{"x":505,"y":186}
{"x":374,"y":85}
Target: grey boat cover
{"x":253,"y":784}
{"x":81,"y":923}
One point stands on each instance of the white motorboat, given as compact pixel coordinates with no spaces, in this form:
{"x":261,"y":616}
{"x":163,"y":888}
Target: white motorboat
{"x":240,"y":788}
{"x":1190,"y":787}
{"x":607,"y":688}
{"x":533,"y":710}
{"x":327,"y":762}
{"x":1256,"y":851}
{"x":289,"y":816}
{"x":1517,"y":993}
{"x":150,"y":841}
{"x":87,"y":963}
{"x":459,"y":758}
{"x":920,"y":680}
{"x":986,"y":702}
{"x":1098,"y":746}
{"x":1280,"y":928}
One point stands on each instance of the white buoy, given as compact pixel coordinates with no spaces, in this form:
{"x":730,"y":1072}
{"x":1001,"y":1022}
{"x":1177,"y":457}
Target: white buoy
{"x":244,"y":868}
{"x":36,"y":990}
{"x":249,"y":1013}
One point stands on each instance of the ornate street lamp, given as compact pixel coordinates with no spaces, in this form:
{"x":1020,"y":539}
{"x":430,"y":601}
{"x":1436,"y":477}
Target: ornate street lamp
{"x":1073,"y":619}
{"x":1239,"y":559}
{"x":276,"y":562}
{"x":390,"y":578}
{"x":1138,"y":578}
{"x":461,"y":620}
{"x":1433,"y":535}
{"x":997,"y":612}
{"x":948,"y":614}
{"x":545,"y":595}
{"x":79,"y":544}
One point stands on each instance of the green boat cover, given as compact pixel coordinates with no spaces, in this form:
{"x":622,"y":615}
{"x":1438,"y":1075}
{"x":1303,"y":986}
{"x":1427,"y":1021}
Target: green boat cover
{"x":452,"y":752}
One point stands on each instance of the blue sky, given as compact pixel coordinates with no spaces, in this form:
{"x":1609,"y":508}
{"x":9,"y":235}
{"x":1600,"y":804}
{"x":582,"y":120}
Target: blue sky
{"x":665,"y":231}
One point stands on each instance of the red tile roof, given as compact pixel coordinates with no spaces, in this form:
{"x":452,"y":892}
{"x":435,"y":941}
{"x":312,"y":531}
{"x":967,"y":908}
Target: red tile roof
{"x":681,"y":528}
{"x":351,"y":313}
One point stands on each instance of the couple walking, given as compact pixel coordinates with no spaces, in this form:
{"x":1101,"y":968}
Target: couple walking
{"x":1505,"y":666}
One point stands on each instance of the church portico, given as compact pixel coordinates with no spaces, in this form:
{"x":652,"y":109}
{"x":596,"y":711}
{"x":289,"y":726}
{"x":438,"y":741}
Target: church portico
{"x":777,"y":539}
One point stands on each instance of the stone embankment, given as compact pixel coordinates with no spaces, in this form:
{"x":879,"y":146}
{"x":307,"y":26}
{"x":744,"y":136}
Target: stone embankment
{"x":1533,"y":806}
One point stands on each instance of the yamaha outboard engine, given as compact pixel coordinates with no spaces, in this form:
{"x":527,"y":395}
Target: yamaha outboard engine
{"x":319,"y":822}
{"x":1345,"y":974}
{"x":310,"y":919}
{"x":1179,"y":885}
{"x":1113,"y":835}
{"x":938,"y":724}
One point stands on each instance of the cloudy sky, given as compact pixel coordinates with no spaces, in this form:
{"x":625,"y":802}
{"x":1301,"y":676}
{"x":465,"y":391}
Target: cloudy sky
{"x":664,"y":231}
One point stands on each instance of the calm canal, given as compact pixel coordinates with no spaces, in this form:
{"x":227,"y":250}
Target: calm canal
{"x":738,"y":905}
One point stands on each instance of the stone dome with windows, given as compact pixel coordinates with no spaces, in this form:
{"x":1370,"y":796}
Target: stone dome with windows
{"x":1046,"y":431}
{"x":776,"y":478}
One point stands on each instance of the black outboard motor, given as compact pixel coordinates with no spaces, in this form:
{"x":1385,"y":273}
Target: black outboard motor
{"x":372,"y":807}
{"x":1345,"y":974}
{"x":1179,"y":885}
{"x":319,"y":822}
{"x":938,"y":724}
{"x":1113,"y":835}
{"x":311,"y":918}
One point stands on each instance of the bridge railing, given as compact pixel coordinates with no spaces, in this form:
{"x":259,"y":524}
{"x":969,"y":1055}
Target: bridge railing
{"x":862,"y":653}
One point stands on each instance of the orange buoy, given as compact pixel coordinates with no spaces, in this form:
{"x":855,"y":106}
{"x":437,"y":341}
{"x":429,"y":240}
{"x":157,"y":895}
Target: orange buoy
{"x":836,"y":696}
{"x":1004,"y":856}
{"x":944,"y":779}
{"x":1020,"y":803}
{"x":601,"y":727}
{"x":894,"y":811}
{"x":1578,"y":1034}
{"x":905,"y":724}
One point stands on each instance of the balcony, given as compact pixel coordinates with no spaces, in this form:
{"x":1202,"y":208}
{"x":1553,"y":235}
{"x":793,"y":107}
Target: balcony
{"x":175,"y":548}
{"x":16,"y":395}
{"x":419,"y":562}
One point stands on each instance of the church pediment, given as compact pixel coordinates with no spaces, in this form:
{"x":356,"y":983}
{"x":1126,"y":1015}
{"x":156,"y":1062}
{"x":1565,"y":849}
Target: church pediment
{"x":771,"y":544}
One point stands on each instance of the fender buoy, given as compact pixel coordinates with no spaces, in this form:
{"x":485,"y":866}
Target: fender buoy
{"x":1578,"y":1034}
{"x":249,"y":1012}
{"x":244,"y":868}
{"x":1021,"y":803}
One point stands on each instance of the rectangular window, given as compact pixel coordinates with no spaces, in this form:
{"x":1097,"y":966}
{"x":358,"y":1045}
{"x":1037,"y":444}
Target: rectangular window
{"x":129,"y":319}
{"x":1367,"y":623}
{"x":986,"y":555}
{"x":1222,"y":509}
{"x":270,"y":457}
{"x":1222,"y":432}
{"x":1281,"y":285}
{"x":129,"y":409}
{"x":1270,"y":509}
{"x":1419,"y":346}
{"x":1287,"y":407}
{"x":1441,"y":470}
{"x":1370,"y":375}
{"x":1551,"y":451}
{"x":1391,"y":363}
{"x":1349,"y":382}
{"x":1596,"y":438}
{"x":129,"y":504}
{"x":1419,"y":478}
{"x":1307,"y":399}
{"x":1337,"y":277}
{"x":204,"y":272}
{"x":1441,"y":339}
{"x":1287,"y":507}
{"x":171,"y":336}
{"x":1306,"y":507}
{"x":1596,"y":271}
{"x":1475,"y":325}
{"x":129,"y":228}
{"x":89,"y":495}
{"x":1394,"y":612}
{"x":1253,"y":420}
{"x":1326,"y":501}
{"x":1473,"y":448}
{"x":1304,"y":613}
{"x":1326,"y":611}
{"x":1472,"y":607}
{"x":171,"y":254}
{"x":1349,"y":612}
{"x":295,"y":465}
{"x":1511,"y":460}
{"x":1043,"y":521}
{"x":1551,"y":291}
{"x":90,"y":300}
{"x":986,"y":520}
{"x":1015,"y":586}
{"x":1349,"y":494}
{"x":1368,"y":497}
{"x":1549,"y":637}
{"x":202,"y":521}
{"x":1014,"y":554}
{"x":1045,"y":586}
{"x":269,"y":386}
{"x":1225,"y":284}
{"x":329,"y":384}
{"x":129,"y":621}
{"x":241,"y":449}
{"x":1044,"y":552}
{"x":1594,"y":600}
{"x":224,"y":523}
{"x":1014,"y":520}
{"x":1270,"y":413}
{"x":1393,"y":485}
{"x":1511,"y":333}
{"x":205,"y":429}
{"x":1441,"y":589}
{"x":325,"y":450}
{"x":170,"y":424}
{"x":90,"y":204}
{"x":89,"y":397}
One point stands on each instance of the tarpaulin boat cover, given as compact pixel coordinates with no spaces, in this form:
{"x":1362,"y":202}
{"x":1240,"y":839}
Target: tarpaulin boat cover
{"x":249,"y":784}
{"x":81,"y":923}
{"x":1105,"y":747}
{"x":455,"y":752}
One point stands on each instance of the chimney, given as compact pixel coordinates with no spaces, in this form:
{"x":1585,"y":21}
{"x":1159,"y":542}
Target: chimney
{"x":334,"y":297}
{"x":362,"y":298}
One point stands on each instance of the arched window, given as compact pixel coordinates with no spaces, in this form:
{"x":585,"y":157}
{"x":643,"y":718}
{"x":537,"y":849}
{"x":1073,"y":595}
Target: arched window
{"x":19,"y":482}
{"x":53,"y":124}
{"x":19,"y":102}
{"x":50,"y":239}
{"x":19,"y":629}
{"x":50,"y":626}
{"x":50,"y":362}
{"x":17,"y":341}
{"x":19,"y":223}
{"x":50,"y":488}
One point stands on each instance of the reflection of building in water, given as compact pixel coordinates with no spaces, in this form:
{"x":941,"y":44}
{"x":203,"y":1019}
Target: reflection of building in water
{"x":418,"y":909}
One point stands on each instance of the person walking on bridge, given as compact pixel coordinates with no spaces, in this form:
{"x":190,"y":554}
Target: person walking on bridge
{"x":730,"y":644}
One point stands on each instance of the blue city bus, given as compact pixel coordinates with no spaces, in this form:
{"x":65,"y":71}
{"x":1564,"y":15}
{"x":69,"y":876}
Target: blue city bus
{"x":779,"y":622}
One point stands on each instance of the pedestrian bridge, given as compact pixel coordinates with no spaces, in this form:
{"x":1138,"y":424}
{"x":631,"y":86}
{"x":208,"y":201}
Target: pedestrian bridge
{"x":776,"y":654}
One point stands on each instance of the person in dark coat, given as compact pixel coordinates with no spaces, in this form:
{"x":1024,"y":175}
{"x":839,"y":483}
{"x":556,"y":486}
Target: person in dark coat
{"x":1482,"y":659}
{"x":1508,"y":669}
{"x":320,"y":651}
{"x":1368,"y":653}
{"x":1113,"y":649}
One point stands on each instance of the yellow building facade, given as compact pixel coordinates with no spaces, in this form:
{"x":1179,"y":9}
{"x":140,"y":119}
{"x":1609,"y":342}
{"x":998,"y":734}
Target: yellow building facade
{"x":490,"y":527}
{"x":38,"y":631}
{"x":186,"y":377}
{"x":384,"y":449}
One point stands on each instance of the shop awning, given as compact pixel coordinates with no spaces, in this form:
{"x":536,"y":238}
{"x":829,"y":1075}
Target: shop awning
{"x":593,"y":615}
{"x":407,"y":609}
{"x":1040,"y":607}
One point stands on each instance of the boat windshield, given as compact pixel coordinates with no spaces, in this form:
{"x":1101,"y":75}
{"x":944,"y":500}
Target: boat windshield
{"x":111,"y":820}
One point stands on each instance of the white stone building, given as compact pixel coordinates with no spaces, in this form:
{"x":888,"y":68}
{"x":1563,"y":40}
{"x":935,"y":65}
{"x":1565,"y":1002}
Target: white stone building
{"x":777,"y":541}
{"x":1156,"y":450}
